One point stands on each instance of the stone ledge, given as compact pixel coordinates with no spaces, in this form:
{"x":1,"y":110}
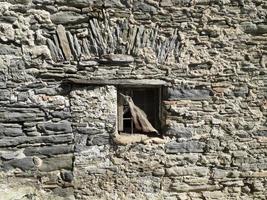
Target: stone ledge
{"x":123,"y":82}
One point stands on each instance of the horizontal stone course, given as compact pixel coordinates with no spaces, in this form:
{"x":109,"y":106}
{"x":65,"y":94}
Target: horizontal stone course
{"x":50,"y":128}
{"x":20,"y":114}
{"x":48,"y":150}
{"x":11,"y":130}
{"x":192,"y":94}
{"x":24,"y":140}
{"x":174,"y":147}
{"x":23,"y":164}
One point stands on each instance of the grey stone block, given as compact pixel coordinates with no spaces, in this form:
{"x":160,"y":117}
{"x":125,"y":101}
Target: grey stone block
{"x":184,"y":147}
{"x":61,"y":114}
{"x":9,"y":19}
{"x":192,"y":94}
{"x":55,"y":139}
{"x":47,"y":91}
{"x":113,"y":3}
{"x":241,"y":91}
{"x":68,"y":18}
{"x":11,"y":130}
{"x":3,"y":79}
{"x":20,"y":114}
{"x":57,"y":163}
{"x":23,"y":164}
{"x":101,"y":139}
{"x":48,"y":150}
{"x":88,"y":130}
{"x":4,"y":95}
{"x":262,"y":28}
{"x":254,"y":29}
{"x":10,"y":155}
{"x":144,"y":7}
{"x":53,"y":128}
{"x":178,"y":131}
{"x":262,"y":133}
{"x":80,"y":3}
{"x":9,"y":50}
{"x":19,"y":1}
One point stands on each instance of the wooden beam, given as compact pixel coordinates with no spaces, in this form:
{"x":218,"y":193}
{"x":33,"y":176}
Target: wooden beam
{"x":119,"y":82}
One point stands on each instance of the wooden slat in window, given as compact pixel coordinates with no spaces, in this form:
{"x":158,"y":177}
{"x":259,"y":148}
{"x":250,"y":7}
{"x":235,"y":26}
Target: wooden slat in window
{"x":120,"y":112}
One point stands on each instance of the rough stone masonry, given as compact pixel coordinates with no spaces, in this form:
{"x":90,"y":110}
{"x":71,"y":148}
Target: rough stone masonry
{"x":60,"y":65}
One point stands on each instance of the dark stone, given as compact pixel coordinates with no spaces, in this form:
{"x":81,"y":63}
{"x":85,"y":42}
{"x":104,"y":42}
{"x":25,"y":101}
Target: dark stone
{"x":23,"y":96}
{"x":144,"y":7}
{"x":20,"y":1}
{"x":61,"y":114}
{"x":249,"y":27}
{"x":88,"y":130}
{"x":248,"y":67}
{"x":49,"y":150}
{"x":184,"y":147}
{"x":80,"y":3}
{"x":55,"y":128}
{"x":262,"y":133}
{"x":11,"y":130}
{"x":17,"y":71}
{"x":196,"y":66}
{"x":262,"y":28}
{"x":178,"y":132}
{"x":3,"y":79}
{"x":241,"y":91}
{"x":67,"y":176}
{"x":68,"y":18}
{"x":47,"y":91}
{"x":113,"y":3}
{"x":9,"y":50}
{"x":254,"y":29}
{"x":9,"y":19}
{"x":53,"y":49}
{"x":23,"y":164}
{"x":57,"y":163}
{"x":55,"y":139}
{"x":192,"y":94}
{"x":4,"y":95}
{"x":20,"y":114}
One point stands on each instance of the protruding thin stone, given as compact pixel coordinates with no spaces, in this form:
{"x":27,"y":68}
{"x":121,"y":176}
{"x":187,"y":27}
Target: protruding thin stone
{"x":63,"y":40}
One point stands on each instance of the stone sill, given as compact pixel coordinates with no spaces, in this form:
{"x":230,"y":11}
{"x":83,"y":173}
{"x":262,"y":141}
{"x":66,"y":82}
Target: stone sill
{"x":125,"y":139}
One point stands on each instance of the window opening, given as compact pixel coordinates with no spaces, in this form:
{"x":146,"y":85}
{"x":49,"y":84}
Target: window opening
{"x":139,"y":110}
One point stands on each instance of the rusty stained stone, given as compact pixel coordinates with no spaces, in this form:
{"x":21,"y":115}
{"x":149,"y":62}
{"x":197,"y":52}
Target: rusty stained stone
{"x":64,"y":43}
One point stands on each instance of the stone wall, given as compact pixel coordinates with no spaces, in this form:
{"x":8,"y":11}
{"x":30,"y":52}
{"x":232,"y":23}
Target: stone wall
{"x":57,"y":130}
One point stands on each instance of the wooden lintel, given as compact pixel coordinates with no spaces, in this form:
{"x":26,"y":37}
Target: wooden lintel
{"x":119,"y":82}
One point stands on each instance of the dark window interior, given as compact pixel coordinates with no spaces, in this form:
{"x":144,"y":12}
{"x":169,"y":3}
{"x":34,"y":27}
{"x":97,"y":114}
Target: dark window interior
{"x":148,"y":99}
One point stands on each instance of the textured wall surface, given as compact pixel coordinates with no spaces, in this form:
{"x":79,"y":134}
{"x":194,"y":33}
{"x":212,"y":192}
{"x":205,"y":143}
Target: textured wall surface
{"x":57,"y":133}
